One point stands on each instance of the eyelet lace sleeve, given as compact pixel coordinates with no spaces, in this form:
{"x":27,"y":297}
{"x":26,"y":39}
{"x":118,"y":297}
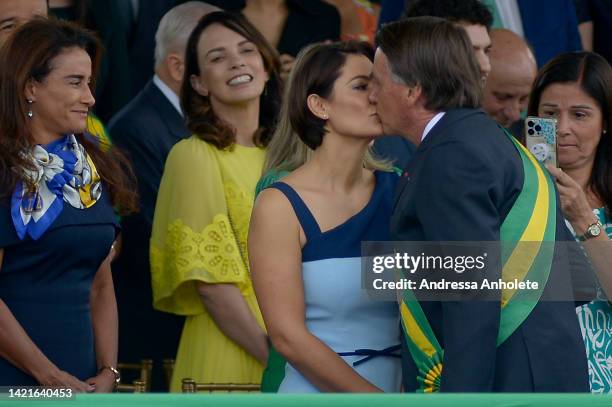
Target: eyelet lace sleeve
{"x":193,"y":238}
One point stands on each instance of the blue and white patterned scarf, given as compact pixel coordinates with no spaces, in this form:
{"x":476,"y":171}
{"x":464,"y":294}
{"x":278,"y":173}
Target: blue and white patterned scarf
{"x":62,"y":172}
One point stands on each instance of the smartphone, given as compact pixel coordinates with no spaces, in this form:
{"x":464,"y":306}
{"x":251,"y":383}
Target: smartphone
{"x":541,"y":138}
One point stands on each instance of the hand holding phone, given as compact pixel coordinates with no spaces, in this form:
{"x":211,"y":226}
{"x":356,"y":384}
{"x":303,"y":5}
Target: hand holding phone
{"x":541,"y":139}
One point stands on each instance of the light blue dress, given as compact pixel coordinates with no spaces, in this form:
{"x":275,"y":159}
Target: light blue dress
{"x":338,"y":311}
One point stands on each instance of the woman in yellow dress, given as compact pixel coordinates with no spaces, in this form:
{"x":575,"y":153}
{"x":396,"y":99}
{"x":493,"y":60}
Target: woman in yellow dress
{"x":199,"y":263}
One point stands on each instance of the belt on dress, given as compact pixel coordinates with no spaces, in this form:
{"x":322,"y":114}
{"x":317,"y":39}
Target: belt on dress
{"x":372,"y":353}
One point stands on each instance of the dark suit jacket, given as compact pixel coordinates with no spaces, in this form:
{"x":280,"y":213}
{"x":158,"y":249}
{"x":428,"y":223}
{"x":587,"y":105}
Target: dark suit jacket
{"x":141,"y":38}
{"x":396,"y":149}
{"x":146,"y":129}
{"x":462,"y":182}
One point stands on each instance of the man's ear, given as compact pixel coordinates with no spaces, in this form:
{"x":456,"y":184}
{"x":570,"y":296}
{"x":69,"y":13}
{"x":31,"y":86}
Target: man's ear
{"x":413,"y":95}
{"x":198,"y":86}
{"x":317,"y":105}
{"x":176,"y":66}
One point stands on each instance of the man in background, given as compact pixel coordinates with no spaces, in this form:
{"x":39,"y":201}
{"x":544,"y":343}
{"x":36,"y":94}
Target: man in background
{"x":471,"y":15}
{"x":146,"y":129}
{"x":513,"y":69}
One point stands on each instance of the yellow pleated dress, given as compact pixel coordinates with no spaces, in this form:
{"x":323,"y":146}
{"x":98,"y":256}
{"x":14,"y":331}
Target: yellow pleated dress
{"x":199,"y":233}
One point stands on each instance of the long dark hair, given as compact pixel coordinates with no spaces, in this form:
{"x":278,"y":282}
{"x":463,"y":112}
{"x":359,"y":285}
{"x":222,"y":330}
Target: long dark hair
{"x":28,"y":55}
{"x":594,"y":75}
{"x":201,"y":119}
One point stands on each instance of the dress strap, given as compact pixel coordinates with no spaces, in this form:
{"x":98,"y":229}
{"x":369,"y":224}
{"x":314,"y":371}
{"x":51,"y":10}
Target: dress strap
{"x":307,"y":220}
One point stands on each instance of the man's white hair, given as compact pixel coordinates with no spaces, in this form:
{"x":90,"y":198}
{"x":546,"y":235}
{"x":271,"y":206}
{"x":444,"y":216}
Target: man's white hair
{"x":176,"y":26}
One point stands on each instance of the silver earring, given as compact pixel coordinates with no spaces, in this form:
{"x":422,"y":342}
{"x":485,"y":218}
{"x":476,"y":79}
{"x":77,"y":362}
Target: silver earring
{"x":325,"y":117}
{"x":30,"y":113}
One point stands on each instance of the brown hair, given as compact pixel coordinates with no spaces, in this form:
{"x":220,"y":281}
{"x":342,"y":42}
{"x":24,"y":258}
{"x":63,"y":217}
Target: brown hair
{"x":594,"y":76}
{"x":201,"y":118}
{"x":316,"y":73}
{"x":27,"y":55}
{"x":299,"y":131}
{"x":434,"y":54}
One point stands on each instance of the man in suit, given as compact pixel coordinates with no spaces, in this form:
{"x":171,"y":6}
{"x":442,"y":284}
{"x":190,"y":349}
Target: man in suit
{"x":146,"y":129}
{"x":461,"y":184}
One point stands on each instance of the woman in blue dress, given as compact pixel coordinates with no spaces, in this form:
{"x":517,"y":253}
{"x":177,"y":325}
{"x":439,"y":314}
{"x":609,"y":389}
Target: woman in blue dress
{"x":306,"y":233}
{"x":58,"y":316}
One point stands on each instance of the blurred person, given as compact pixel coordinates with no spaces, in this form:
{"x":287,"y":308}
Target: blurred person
{"x":198,"y":249}
{"x":146,"y":129}
{"x":104,"y":18}
{"x":576,"y":90}
{"x":550,"y":27}
{"x":594,"y":20}
{"x":58,"y":315}
{"x":306,"y":233}
{"x":140,"y":19}
{"x":288,"y":25}
{"x":358,"y":19}
{"x":14,"y":13}
{"x":513,"y":69}
{"x":483,"y":192}
{"x":471,"y":15}
{"x":585,"y":23}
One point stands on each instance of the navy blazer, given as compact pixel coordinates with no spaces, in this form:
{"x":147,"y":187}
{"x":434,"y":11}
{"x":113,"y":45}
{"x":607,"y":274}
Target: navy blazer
{"x":145,"y":129}
{"x":459,"y":186}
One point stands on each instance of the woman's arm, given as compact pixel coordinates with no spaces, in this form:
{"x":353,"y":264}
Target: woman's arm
{"x":275,"y":256}
{"x":579,"y":213}
{"x":105,"y":326}
{"x":17,"y":348}
{"x":232,"y":315}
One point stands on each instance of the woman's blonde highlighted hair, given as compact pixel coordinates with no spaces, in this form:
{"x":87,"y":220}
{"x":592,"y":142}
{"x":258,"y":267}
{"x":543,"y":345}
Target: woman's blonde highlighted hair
{"x":298,"y":131}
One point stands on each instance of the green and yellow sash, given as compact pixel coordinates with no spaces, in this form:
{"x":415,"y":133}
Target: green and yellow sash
{"x":531,"y":220}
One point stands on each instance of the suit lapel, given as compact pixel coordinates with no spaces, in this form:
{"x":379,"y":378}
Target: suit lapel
{"x":174,"y":121}
{"x":434,"y":134}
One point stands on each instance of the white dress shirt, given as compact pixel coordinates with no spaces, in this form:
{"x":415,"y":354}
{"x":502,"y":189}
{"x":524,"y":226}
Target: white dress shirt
{"x":434,"y":120}
{"x":168,"y":93}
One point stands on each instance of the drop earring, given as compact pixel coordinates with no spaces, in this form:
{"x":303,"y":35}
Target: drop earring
{"x":30,"y":113}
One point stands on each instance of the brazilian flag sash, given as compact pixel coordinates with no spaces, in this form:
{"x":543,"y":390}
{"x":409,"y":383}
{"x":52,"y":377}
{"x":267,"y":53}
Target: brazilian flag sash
{"x":531,"y":220}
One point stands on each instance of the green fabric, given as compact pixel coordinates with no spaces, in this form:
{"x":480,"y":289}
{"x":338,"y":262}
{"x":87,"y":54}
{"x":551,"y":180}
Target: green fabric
{"x":268,"y":179}
{"x":274,"y":373}
{"x":323,"y":400}
{"x":497,"y":21}
{"x":420,"y":339}
{"x":521,"y":304}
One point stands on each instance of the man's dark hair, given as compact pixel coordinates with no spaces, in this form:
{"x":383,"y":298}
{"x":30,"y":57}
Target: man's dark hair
{"x":469,"y":11}
{"x":436,"y":55}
